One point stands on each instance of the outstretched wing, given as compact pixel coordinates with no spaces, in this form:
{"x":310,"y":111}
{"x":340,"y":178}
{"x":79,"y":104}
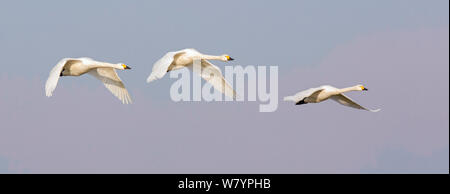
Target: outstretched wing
{"x":346,"y":101}
{"x":112,"y":82}
{"x":54,"y":75}
{"x":213,"y":75}
{"x":303,"y":94}
{"x":161,"y":66}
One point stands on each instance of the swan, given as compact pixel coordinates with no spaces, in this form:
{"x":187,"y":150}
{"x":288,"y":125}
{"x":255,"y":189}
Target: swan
{"x":325,"y":92}
{"x":105,"y":72}
{"x":185,"y":58}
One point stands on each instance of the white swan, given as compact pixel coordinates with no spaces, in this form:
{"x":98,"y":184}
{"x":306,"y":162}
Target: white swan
{"x":105,"y":72}
{"x":184,"y":58}
{"x":315,"y":95}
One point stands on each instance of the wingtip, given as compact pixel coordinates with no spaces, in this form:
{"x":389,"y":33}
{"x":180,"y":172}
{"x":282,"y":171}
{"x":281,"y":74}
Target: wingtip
{"x":48,"y":94}
{"x":377,"y":110}
{"x":49,"y":90}
{"x":127,"y":100}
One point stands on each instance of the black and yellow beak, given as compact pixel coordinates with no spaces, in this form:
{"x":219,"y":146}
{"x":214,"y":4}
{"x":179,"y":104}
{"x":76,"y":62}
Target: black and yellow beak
{"x":125,"y":66}
{"x":229,"y":58}
{"x":363,"y":88}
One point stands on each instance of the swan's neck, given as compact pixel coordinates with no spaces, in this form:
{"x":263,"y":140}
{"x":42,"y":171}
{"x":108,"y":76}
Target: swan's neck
{"x":343,"y":90}
{"x":101,"y":64}
{"x":212,"y":57}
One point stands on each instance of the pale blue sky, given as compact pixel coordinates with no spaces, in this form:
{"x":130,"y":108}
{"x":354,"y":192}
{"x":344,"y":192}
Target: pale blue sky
{"x":397,"y":48}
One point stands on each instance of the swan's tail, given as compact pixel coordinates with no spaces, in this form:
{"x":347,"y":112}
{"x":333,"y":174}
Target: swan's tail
{"x":289,"y":98}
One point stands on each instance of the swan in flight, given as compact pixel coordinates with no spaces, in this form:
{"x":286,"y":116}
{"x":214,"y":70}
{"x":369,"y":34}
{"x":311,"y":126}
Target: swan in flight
{"x":105,"y":72}
{"x":185,"y":58}
{"x":315,"y":95}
